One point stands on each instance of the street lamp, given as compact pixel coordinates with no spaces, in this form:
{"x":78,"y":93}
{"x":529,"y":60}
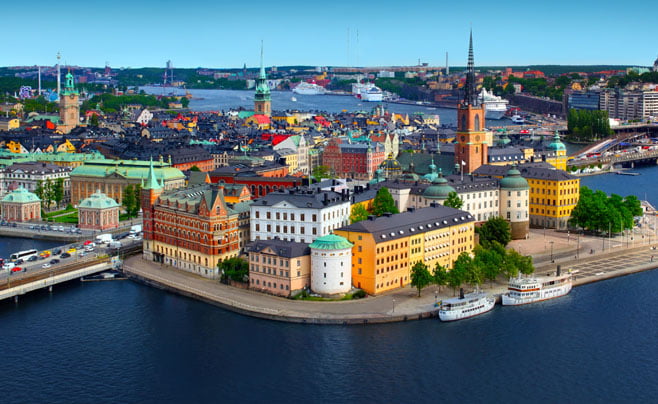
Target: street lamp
{"x":393,"y":305}
{"x":552,"y":250}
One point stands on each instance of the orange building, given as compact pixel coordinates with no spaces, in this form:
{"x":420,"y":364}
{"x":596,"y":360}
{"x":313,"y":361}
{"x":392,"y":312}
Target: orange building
{"x":386,"y":248}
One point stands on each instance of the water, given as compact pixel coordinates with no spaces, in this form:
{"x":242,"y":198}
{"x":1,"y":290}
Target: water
{"x":109,"y":342}
{"x":216,"y":100}
{"x":643,"y":186}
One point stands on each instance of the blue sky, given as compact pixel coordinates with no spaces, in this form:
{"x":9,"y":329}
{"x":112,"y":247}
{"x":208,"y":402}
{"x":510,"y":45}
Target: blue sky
{"x":228,"y":34}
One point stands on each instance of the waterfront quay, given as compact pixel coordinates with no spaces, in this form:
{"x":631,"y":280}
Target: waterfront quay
{"x":399,"y":305}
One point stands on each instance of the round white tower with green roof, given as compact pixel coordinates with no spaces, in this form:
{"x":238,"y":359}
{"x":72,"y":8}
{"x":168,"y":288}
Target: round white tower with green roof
{"x":331,"y":265}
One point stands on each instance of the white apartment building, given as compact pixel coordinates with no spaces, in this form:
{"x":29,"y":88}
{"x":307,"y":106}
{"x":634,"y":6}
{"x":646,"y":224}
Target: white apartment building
{"x":298,"y":214}
{"x":28,"y":175}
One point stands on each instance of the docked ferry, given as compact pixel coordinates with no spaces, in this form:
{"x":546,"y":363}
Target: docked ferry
{"x":494,"y":106}
{"x":466,"y":305}
{"x":305,"y":88}
{"x":530,"y":290}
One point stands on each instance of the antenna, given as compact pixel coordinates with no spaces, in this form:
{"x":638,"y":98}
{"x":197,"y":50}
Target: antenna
{"x":59,"y":75}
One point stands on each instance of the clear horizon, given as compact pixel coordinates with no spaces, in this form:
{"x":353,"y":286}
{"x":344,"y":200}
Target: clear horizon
{"x":211,"y":35}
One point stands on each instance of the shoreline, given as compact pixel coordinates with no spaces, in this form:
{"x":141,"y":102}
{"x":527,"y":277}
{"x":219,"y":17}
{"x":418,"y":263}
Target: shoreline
{"x":397,"y":306}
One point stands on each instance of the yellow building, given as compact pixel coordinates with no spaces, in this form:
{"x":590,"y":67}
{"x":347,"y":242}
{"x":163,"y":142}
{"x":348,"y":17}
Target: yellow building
{"x":386,"y":248}
{"x":66,"y":147}
{"x":16,"y":147}
{"x":553,"y":193}
{"x":9,"y":123}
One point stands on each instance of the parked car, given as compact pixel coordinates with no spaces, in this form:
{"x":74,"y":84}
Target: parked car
{"x":19,"y":261}
{"x":8,"y":265}
{"x":45,"y":254}
{"x":57,"y":251}
{"x":14,"y":225}
{"x":71,"y":250}
{"x":17,"y":269}
{"x":33,"y":258}
{"x":65,"y":255}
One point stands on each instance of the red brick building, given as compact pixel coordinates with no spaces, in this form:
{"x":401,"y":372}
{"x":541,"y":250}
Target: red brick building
{"x":358,"y":161}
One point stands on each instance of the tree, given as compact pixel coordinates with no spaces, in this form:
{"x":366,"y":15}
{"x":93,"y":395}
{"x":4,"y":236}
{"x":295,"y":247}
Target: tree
{"x":454,"y":201}
{"x":185,"y":102}
{"x":234,"y":268}
{"x":58,"y":191}
{"x":440,"y":275}
{"x":420,"y":276}
{"x":495,"y":229}
{"x":489,"y":260}
{"x":194,"y":168}
{"x":128,"y":200}
{"x":359,"y":213}
{"x":515,"y":263}
{"x":321,"y":172}
{"x":457,"y":275}
{"x":93,"y":121}
{"x":383,"y":203}
{"x":40,"y":192}
{"x":48,"y":195}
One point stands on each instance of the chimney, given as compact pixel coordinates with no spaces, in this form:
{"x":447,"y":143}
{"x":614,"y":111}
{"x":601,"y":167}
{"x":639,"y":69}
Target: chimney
{"x":461,"y":293}
{"x":372,"y":217}
{"x":434,"y":205}
{"x":325,"y":199}
{"x":388,"y":214}
{"x":559,"y":270}
{"x":411,"y":209}
{"x":368,"y":186}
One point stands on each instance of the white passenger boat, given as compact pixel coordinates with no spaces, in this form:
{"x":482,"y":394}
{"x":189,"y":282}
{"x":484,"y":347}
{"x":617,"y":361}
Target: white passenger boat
{"x":305,"y":88}
{"x":536,"y":289}
{"x":466,"y":305}
{"x":494,"y":106}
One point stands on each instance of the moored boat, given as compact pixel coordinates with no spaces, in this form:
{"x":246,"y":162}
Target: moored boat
{"x":494,"y":106}
{"x":466,"y":305}
{"x":535,"y":289}
{"x":305,"y":88}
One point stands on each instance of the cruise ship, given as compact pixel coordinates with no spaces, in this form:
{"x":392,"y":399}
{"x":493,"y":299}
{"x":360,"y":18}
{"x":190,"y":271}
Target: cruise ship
{"x":536,"y":289}
{"x":494,"y":106}
{"x":305,"y":88}
{"x":358,"y":89}
{"x":373,"y":94}
{"x":466,"y":305}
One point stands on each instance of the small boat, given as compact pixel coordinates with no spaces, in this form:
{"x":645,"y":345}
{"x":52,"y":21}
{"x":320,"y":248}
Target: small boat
{"x":466,"y":305}
{"x":112,"y":275}
{"x":293,"y":99}
{"x":536,"y":289}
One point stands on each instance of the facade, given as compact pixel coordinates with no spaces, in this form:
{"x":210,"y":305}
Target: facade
{"x":300,"y":148}
{"x":386,"y":248}
{"x":30,"y":175}
{"x":553,"y":193}
{"x":588,"y":100}
{"x":21,"y":206}
{"x":331,"y":265}
{"x":111,"y":177}
{"x":514,"y":203}
{"x":69,"y":106}
{"x":298,"y":214}
{"x":98,"y":212}
{"x":278,"y":267}
{"x":471,"y":148}
{"x":191,"y":228}
{"x":357,"y":161}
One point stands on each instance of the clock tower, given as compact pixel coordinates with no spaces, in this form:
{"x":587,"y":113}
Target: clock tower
{"x":262,"y":98}
{"x":69,"y":106}
{"x":471,"y":148}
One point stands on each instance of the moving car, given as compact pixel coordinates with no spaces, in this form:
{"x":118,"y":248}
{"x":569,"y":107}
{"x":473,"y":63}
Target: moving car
{"x":46,"y":265}
{"x":65,"y":255}
{"x":54,"y":261}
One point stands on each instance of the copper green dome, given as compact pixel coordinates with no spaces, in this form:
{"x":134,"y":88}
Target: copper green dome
{"x":513,"y":180}
{"x":331,"y":242}
{"x":21,"y":195}
{"x":556,"y":144}
{"x":390,"y":164}
{"x":439,"y":188}
{"x":98,"y":200}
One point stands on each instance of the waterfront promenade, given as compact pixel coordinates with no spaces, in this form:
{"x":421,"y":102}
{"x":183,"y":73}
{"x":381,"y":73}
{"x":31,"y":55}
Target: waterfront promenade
{"x":399,"y":305}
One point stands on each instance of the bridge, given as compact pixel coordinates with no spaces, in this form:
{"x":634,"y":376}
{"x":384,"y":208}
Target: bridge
{"x":643,"y":157}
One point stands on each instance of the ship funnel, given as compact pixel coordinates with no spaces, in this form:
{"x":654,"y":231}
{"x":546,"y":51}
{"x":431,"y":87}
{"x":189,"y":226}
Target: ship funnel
{"x":461,"y":293}
{"x":559,"y":270}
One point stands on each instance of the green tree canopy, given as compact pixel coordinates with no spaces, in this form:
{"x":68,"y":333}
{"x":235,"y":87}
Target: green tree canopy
{"x":235,"y":268}
{"x":358,"y":213}
{"x":420,"y":276}
{"x":440,"y":275}
{"x":195,"y":168}
{"x":495,"y":229}
{"x":597,"y":211}
{"x":321,"y":172}
{"x":453,"y":201}
{"x":383,"y":203}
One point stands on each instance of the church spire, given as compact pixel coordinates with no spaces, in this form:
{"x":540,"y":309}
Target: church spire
{"x":262,"y":66}
{"x":151,"y":180}
{"x":469,"y":87}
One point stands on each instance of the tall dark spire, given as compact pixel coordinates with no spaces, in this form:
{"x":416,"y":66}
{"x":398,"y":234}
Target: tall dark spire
{"x":469,"y":88}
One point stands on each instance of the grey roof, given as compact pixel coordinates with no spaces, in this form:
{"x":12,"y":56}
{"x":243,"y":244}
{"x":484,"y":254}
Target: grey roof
{"x":285,"y":249}
{"x":413,"y":221}
{"x":536,"y":171}
{"x":303,"y":197}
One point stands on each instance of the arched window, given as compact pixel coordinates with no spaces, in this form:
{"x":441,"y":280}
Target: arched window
{"x":477,"y":122}
{"x":463,"y":128}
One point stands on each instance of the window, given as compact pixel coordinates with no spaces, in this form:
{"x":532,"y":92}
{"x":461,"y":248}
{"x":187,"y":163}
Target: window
{"x":360,"y":248}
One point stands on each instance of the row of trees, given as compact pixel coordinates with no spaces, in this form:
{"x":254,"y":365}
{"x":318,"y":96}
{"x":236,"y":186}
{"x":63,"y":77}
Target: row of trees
{"x":596,"y":211}
{"x":487,"y":263}
{"x":588,"y":126}
{"x":132,"y":201}
{"x":110,"y":103}
{"x":50,"y":191}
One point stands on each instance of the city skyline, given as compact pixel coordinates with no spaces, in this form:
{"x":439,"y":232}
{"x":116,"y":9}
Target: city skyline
{"x":148,"y":34}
